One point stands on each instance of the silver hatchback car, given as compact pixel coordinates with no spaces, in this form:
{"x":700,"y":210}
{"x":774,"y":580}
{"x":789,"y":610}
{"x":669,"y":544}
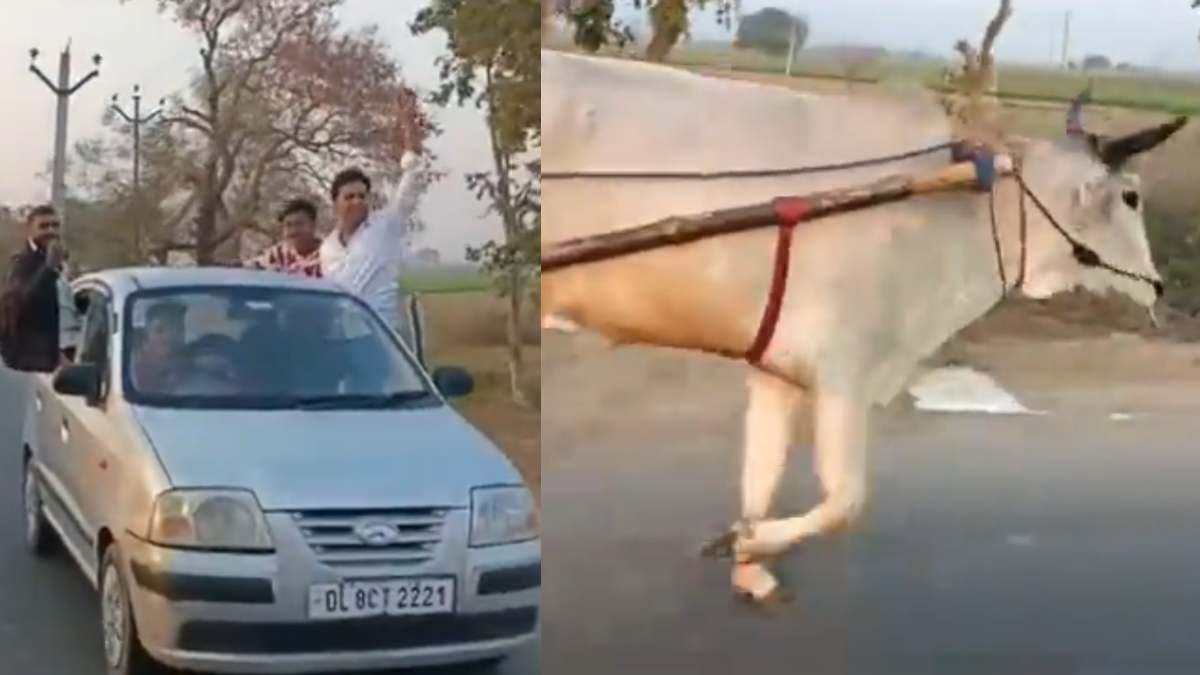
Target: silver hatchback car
{"x":257,"y":476}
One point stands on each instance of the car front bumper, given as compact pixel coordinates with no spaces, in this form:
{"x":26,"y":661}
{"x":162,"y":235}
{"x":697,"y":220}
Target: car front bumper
{"x":248,"y":613}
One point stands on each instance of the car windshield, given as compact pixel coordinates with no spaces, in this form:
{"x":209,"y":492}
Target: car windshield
{"x":239,"y":347}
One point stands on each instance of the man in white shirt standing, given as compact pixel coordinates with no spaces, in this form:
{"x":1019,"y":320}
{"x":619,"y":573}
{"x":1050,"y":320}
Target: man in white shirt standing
{"x":365,"y":251}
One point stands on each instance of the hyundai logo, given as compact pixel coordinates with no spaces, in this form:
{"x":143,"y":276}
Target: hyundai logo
{"x":375,"y":533}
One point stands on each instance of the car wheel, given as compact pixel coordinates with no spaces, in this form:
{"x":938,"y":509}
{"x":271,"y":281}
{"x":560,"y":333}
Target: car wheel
{"x":123,"y":651}
{"x":39,"y":536}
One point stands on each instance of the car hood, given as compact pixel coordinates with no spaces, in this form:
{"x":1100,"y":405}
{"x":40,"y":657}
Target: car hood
{"x":329,"y":459}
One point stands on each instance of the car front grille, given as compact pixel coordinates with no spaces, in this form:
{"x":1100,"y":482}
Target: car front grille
{"x":352,"y":635}
{"x":336,"y":538}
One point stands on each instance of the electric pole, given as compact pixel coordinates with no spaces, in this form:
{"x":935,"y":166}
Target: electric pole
{"x":791,"y":47}
{"x":63,"y":91}
{"x":136,"y":121}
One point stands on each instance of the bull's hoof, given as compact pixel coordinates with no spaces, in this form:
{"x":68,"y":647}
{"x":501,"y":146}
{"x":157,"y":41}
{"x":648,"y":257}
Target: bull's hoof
{"x":724,"y":546}
{"x":775,"y":603}
{"x":721,"y":547}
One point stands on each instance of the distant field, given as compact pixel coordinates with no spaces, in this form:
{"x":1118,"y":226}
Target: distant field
{"x":445,"y":279}
{"x":1110,"y":88}
{"x":1123,"y":89}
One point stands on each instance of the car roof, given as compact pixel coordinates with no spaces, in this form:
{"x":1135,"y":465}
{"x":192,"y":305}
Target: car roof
{"x":125,"y":280}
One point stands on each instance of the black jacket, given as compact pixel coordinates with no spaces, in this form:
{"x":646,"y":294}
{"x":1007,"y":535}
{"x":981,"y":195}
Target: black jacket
{"x":30,"y":297}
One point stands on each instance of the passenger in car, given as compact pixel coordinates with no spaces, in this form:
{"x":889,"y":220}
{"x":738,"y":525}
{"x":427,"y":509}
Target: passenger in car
{"x":212,"y":367}
{"x":299,"y":252}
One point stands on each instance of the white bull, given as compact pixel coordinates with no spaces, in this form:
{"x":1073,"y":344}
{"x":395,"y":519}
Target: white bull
{"x":869,"y":293}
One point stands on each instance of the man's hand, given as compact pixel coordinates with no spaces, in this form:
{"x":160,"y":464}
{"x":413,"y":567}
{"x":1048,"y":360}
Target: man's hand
{"x":409,"y":123}
{"x":55,"y":253}
{"x":409,"y":161}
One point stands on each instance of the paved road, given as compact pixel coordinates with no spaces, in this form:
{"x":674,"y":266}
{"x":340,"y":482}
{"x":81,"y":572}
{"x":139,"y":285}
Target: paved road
{"x":48,"y":612}
{"x":992,"y":545}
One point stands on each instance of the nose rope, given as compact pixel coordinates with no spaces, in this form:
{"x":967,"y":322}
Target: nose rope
{"x":1085,"y":255}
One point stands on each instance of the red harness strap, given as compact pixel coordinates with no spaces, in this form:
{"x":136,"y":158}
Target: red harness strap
{"x":788,"y":212}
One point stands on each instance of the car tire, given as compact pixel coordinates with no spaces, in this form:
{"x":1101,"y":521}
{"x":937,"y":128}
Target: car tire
{"x":40,"y":537}
{"x":123,"y":651}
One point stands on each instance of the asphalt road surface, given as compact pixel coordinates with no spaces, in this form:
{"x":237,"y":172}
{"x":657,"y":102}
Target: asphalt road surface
{"x":1015,"y":545}
{"x":48,"y":612}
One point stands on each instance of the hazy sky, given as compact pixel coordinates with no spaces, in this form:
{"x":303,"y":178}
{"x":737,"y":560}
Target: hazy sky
{"x":141,"y":46}
{"x":1160,"y":33}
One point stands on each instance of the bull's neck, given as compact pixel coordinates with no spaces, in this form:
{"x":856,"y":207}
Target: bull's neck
{"x":963,"y":272}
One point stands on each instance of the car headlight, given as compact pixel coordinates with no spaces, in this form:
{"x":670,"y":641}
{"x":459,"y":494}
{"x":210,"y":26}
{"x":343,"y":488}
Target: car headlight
{"x":209,"y":519}
{"x":502,"y":515}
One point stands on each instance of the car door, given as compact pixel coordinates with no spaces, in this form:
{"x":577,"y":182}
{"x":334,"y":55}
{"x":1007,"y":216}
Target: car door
{"x":88,"y":430}
{"x":45,"y":439}
{"x":56,"y":461}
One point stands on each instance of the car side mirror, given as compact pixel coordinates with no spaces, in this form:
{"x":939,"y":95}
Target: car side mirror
{"x":453,"y":382}
{"x":79,"y":380}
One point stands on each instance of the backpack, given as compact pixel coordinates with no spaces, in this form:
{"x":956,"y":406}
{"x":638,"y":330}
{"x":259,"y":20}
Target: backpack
{"x":10,"y":307}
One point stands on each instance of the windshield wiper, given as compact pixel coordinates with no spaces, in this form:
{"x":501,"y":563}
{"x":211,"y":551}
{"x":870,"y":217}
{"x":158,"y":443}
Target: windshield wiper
{"x":334,"y":401}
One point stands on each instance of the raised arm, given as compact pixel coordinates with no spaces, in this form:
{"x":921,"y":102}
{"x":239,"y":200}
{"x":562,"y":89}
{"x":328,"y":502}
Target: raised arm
{"x":398,"y":210}
{"x":409,"y":134}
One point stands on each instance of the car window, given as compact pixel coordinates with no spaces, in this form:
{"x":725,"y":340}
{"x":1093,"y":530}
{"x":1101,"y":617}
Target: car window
{"x":95,"y":332}
{"x":254,"y":347}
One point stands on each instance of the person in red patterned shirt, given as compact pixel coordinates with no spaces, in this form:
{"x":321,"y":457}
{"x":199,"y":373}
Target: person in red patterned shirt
{"x":299,"y":252}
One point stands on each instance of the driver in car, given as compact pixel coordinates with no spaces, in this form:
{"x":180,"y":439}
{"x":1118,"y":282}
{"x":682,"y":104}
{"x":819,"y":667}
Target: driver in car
{"x":158,"y":362}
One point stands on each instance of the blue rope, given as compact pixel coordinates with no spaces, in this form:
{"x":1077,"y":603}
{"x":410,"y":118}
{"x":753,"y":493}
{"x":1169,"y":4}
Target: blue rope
{"x":985,"y":170}
{"x":952,"y":145}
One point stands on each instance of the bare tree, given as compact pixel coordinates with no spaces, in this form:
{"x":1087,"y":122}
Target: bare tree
{"x":976,"y":83}
{"x":282,"y":97}
{"x":977,"y":74}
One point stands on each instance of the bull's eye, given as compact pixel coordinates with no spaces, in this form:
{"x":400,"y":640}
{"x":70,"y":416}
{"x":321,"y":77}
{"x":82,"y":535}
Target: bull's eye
{"x":1131,"y":199}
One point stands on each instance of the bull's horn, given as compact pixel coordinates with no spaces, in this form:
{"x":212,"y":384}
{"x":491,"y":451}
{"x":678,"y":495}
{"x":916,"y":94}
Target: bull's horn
{"x":1116,"y":151}
{"x":1075,"y":113}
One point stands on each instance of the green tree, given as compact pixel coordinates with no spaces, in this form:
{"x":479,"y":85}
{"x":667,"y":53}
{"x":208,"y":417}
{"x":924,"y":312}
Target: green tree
{"x":594,"y":26}
{"x":769,"y":30}
{"x":493,"y":62}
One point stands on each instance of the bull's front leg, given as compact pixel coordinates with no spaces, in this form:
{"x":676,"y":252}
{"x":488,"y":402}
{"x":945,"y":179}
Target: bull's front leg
{"x":841,"y":441}
{"x":770,"y":424}
{"x":841,"y":435}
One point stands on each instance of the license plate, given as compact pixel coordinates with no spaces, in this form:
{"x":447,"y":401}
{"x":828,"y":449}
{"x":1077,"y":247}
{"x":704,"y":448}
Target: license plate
{"x":394,"y":597}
